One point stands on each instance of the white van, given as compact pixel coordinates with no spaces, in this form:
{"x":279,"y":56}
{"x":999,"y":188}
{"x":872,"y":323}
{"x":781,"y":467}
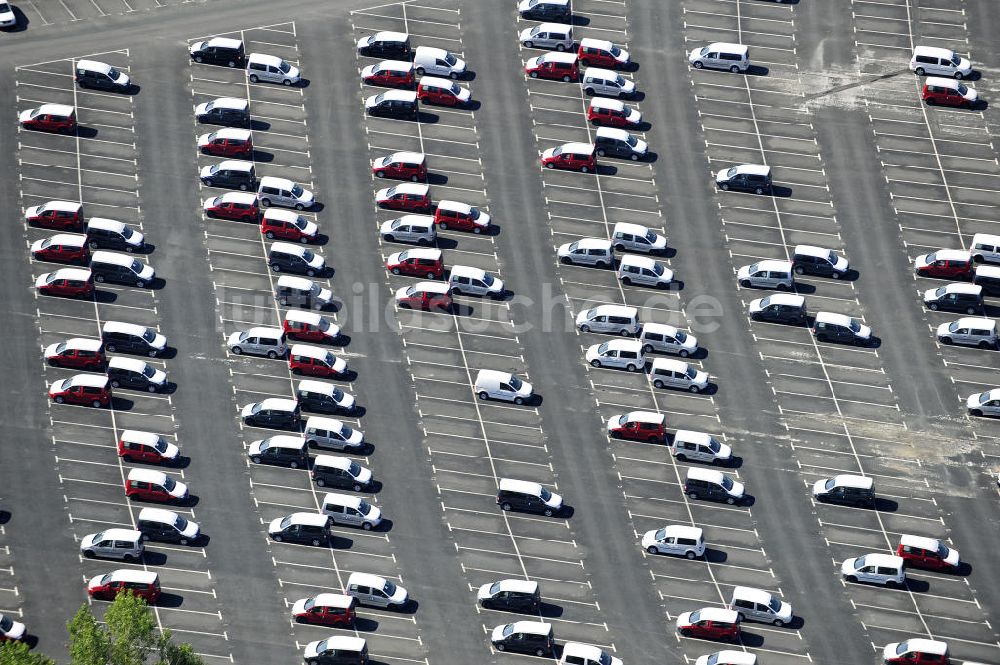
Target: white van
{"x":124,"y":544}
{"x":331,"y":433}
{"x":721,"y":55}
{"x":875,"y":568}
{"x":686,"y":541}
{"x":475,"y":281}
{"x":644,"y":271}
{"x":670,"y":373}
{"x":637,"y":238}
{"x":668,"y":339}
{"x":548,"y":35}
{"x":437,"y":62}
{"x":985,"y":248}
{"x":492,"y":384}
{"x":351,"y":511}
{"x":410,"y":228}
{"x":936,"y":61}
{"x":969,"y":331}
{"x":597,"y":81}
{"x":376,"y":591}
{"x":578,"y":653}
{"x":767,"y":274}
{"x":759,"y":605}
{"x":699,"y":446}
{"x":614,"y":319}
{"x":587,"y":252}
{"x":272,"y":69}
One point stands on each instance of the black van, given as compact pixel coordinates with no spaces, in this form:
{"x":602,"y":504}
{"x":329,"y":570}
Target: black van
{"x":386,"y":44}
{"x":232,"y":173}
{"x":166,"y":526}
{"x":527,"y":496}
{"x":308,"y":528}
{"x":135,"y":374}
{"x":110,"y":234}
{"x":846,"y":490}
{"x":511,"y":595}
{"x":320,"y":397}
{"x":228,"y":111}
{"x":120,"y":269}
{"x":301,"y":292}
{"x":219,"y":51}
{"x":94,"y":74}
{"x":131,"y":338}
{"x":393,"y":104}
{"x":531,"y":637}
{"x":988,"y":277}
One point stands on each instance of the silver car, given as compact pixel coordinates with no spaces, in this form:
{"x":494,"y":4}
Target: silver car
{"x":259,"y":341}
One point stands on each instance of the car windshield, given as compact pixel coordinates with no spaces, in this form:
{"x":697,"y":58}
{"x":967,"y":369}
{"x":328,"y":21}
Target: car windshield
{"x":338,"y":394}
{"x":47,"y":242}
{"x":605,"y":659}
{"x":160,"y":445}
{"x":265,"y":444}
{"x":953,"y":326}
{"x":255,"y":408}
{"x":114,"y":74}
{"x":764,"y":302}
{"x":168,"y":483}
{"x":955,"y":60}
{"x":6,"y":623}
{"x":714,"y":445}
{"x":148,"y":371}
{"x":545,"y":494}
{"x":902,"y":648}
{"x":148,"y":334}
{"x":731,"y":173}
{"x":984,"y":398}
{"x":622,"y":419}
{"x":60,"y":348}
{"x":180,"y":523}
{"x":284,"y":67}
{"x":508,"y":629}
{"x":391,"y":191}
{"x":346,"y":432}
{"x":831,"y":257}
{"x":775,"y":605}
{"x":308,"y":255}
{"x":209,"y":106}
{"x":691,"y":373}
{"x":680,"y":335}
{"x":660,"y":535}
{"x":931,"y":258}
{"x":389,"y":588}
{"x":940,"y":291}
{"x":859,"y":563}
{"x":324,"y":325}
{"x":301,"y":223}
{"x":285,"y":522}
{"x":364,"y":507}
{"x":126,"y":233}
{"x":450,"y":59}
{"x":632,"y":141}
{"x":942,"y":551}
{"x":712,"y":659}
{"x":962,"y":90}
{"x":213,"y":169}
{"x":297,"y":190}
{"x":603,"y":348}
{"x":321,"y":646}
{"x":620,"y":81}
{"x":309,"y":604}
{"x":379,"y":98}
{"x":573,"y":246}
{"x":830,"y":484}
{"x":704,"y":51}
{"x":615,"y":51}
{"x":354,"y":469}
{"x":557,"y":151}
{"x":487,"y":279}
{"x":727,"y":482}
{"x":695,"y":617}
{"x":854,"y":326}
{"x":752,"y":268}
{"x":474,"y":213}
{"x":515,"y":382}
{"x":650,"y":236}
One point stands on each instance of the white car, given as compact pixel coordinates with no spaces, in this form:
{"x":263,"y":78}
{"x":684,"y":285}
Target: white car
{"x":669,"y":373}
{"x":875,"y":568}
{"x":985,"y":403}
{"x":686,"y":541}
{"x":619,"y":354}
{"x":10,"y":629}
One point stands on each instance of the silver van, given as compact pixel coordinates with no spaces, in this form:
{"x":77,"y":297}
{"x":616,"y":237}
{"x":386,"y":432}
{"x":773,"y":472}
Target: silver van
{"x":124,"y":544}
{"x":606,"y":82}
{"x":375,"y":591}
{"x":260,"y":341}
{"x":985,"y":248}
{"x":758,"y":605}
{"x":333,"y":434}
{"x":875,"y":568}
{"x":272,"y":69}
{"x":351,"y":511}
{"x":475,"y":281}
{"x":418,"y":229}
{"x":556,"y":36}
{"x":614,"y":319}
{"x":767,"y":274}
{"x":667,"y":339}
{"x":969,"y":331}
{"x":935,"y":61}
{"x":721,"y":55}
{"x":301,"y":291}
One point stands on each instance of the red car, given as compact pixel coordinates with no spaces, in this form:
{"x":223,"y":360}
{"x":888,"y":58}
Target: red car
{"x":413,"y":196}
{"x":62,"y":248}
{"x":84,"y":389}
{"x":136,"y":446}
{"x":401,"y":166}
{"x":418,"y":262}
{"x":315,"y":361}
{"x":310,"y":327}
{"x":49,"y":118}
{"x":612,"y":113}
{"x":945,"y":263}
{"x":77,"y":353}
{"x":239,"y":206}
{"x":713,"y":623}
{"x":67,"y":282}
{"x":326,"y":609}
{"x":602,"y":53}
{"x":142,"y":583}
{"x":389,"y":73}
{"x":948,"y":92}
{"x":571,"y":156}
{"x":227,"y":142}
{"x":425,"y":295}
{"x":461,"y":217}
{"x":928,"y":553}
{"x":287,"y":225}
{"x":639,"y":426}
{"x":58,"y":215}
{"x":554,"y":66}
{"x":150,"y":485}
{"x":433,"y":90}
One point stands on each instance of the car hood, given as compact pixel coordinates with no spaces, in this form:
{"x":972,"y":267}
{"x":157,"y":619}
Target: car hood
{"x":325,"y":295}
{"x":691,"y":342}
{"x":365,"y":41}
{"x":386,"y":226}
{"x":484,"y":591}
{"x":943,"y":328}
{"x":201,"y":109}
{"x":400,"y":596}
{"x":640,"y":147}
{"x":191,"y":531}
{"x":307,"y":197}
{"x":203,"y":139}
{"x":8,"y":18}
{"x":94,"y":582}
{"x":159,"y":377}
{"x":484,"y":219}
{"x":694,"y":54}
{"x":42,"y":279}
{"x":526,"y":33}
{"x":57,"y":386}
{"x":340,"y":366}
{"x":847,"y":567}
{"x":548,"y":153}
{"x":50,"y":350}
{"x":920,"y":261}
{"x":37,"y":245}
{"x":159,"y":342}
{"x":123,"y":80}
{"x":247,"y":410}
{"x":147,"y":273}
{"x":649,"y":538}
{"x":317,"y":262}
{"x":180,"y":490}
{"x":357,"y":436}
{"x":197,"y":46}
{"x":275,"y":525}
{"x":234,"y":338}
{"x":683,"y":619}
{"x":393,"y":259}
{"x":24,"y":115}
{"x":785,"y":612}
{"x":312,"y":228}
{"x":865,"y":332}
{"x":497,"y":286}
{"x":375,"y":515}
{"x":171,"y":452}
{"x":526,"y":389}
{"x":629,"y":86}
{"x":459,"y":66}
{"x":464,"y":94}
{"x":365,"y":476}
{"x":964,"y":66}
{"x":738,"y":488}
{"x":953,"y":558}
{"x":725,"y":452}
{"x":842,"y":264}
{"x":592,"y":353}
{"x":720,"y":176}
{"x":332,"y":331}
{"x":382,"y":194}
{"x":255,"y":447}
{"x":294,"y":72}
{"x":660,"y":242}
{"x":972,"y":401}
{"x":581,"y":318}
{"x":972,"y":95}
{"x":889,"y":651}
{"x":87,"y":541}
{"x":623,"y":56}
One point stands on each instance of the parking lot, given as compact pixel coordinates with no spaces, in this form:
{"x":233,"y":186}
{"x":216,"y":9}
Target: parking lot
{"x":794,"y":409}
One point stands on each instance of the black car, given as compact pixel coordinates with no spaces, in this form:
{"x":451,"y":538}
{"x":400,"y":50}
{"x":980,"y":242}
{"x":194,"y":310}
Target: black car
{"x":284,"y":257}
{"x":110,"y":234}
{"x":545,"y":10}
{"x":745,"y":178}
{"x":393,"y":104}
{"x":309,"y":528}
{"x":966,"y":298}
{"x":780,"y":308}
{"x":323,"y":398}
{"x":610,"y":142}
{"x":829,"y":327}
{"x":233,"y":174}
{"x":102,"y":76}
{"x":385,"y":45}
{"x":219,"y":51}
{"x":227,"y":111}
{"x":280,"y":450}
{"x":341,"y":473}
{"x":166,"y":526}
{"x":846,"y":490}
{"x":809,"y":260}
{"x":511,"y":595}
{"x":531,"y":637}
{"x":130,"y":338}
{"x":274,"y":413}
{"x":135,"y":374}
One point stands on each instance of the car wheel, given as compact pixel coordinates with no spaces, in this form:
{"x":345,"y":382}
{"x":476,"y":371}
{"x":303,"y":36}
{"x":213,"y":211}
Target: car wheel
{"x":423,"y":242}
{"x":252,"y":77}
{"x":758,"y":190}
{"x":683,"y":353}
{"x":540,"y":652}
{"x":115,"y":384}
{"x":139,"y":283}
{"x":99,"y":278}
{"x":310,"y":273}
{"x":505,"y":507}
{"x":821,"y":337}
{"x":779,"y":623}
{"x":919,"y":71}
{"x":584,"y":169}
{"x":550,"y":165}
{"x":519,"y":401}
{"x":690,"y":554}
{"x":657,"y":383}
{"x":985,"y":345}
{"x":694,"y":389}
{"x":970,"y":310}
{"x":698,"y":65}
{"x":975,"y":412}
{"x":500,"y":647}
{"x":933,"y":306}
{"x":278,"y":538}
{"x":624,"y":332}
{"x":315,"y":542}
{"x":734,"y":69}
{"x":431,"y":275}
{"x":931,"y":102}
{"x":566,"y":78}
{"x":367,"y":526}
{"x":151,"y":389}
{"x":730,"y":500}
{"x":453,"y":76}
{"x":630,"y":368}
{"x":286,"y":82}
{"x":589,"y":91}
{"x":547,"y":512}
{"x":745,"y":283}
{"x":89,"y":554}
{"x":236,"y":350}
{"x":96,"y":403}
{"x":634,"y":157}
{"x":585,"y":328}
{"x":946,"y":340}
{"x":275,"y":267}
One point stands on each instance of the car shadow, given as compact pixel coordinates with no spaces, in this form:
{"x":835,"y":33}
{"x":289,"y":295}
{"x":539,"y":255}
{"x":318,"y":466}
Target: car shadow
{"x":426,"y":118}
{"x":757,"y":70}
{"x":4,"y":516}
{"x":916,"y":586}
{"x":576,"y":19}
{"x":991,"y":311}
{"x":157,"y":284}
{"x":31,"y":641}
{"x":154,"y":558}
{"x":190,"y":502}
{"x":104,"y":297}
{"x":469,"y":75}
{"x":548,"y":610}
{"x":342,"y":340}
{"x":715,"y":556}
{"x":874,"y":343}
{"x":566,"y":513}
{"x":980,"y":105}
{"x":631,"y":67}
{"x":261,"y":156}
{"x":375,"y":487}
{"x":606,"y":169}
{"x":651,"y":157}
{"x":884,"y":505}
{"x":133,"y":89}
{"x":964,"y":568}
{"x":86,"y":132}
{"x":748,"y":501}
{"x":358,"y":412}
{"x":341,"y":542}
{"x":318,"y":206}
{"x":797,"y":623}
{"x":181,"y":462}
{"x":170,"y":600}
{"x":436,"y":179}
{"x":201,"y":541}
{"x":168,"y":389}
{"x":20,"y":25}
{"x":365,"y":625}
{"x":780,"y":192}
{"x":121,"y":404}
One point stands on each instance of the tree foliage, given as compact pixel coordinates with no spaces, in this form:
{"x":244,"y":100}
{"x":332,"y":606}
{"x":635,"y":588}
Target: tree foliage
{"x":18,"y":653}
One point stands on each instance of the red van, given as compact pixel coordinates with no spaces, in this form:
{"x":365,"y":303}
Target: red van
{"x":713,"y":623}
{"x":418,"y":262}
{"x":57,"y":215}
{"x":612,"y":113}
{"x":389,"y":73}
{"x":49,"y":118}
{"x":238,"y":206}
{"x":150,"y":485}
{"x":326,"y":609}
{"x":310,"y":327}
{"x":411,"y":196}
{"x":639,"y":426}
{"x":433,"y":90}
{"x":425,"y":295}
{"x":401,"y":166}
{"x":928,"y":553}
{"x":945,"y":263}
{"x":554,"y":66}
{"x":85,"y":389}
{"x":461,"y":217}
{"x":602,"y":53}
{"x":227,"y":142}
{"x":62,"y":248}
{"x":136,"y":446}
{"x":77,"y":353}
{"x":571,"y":156}
{"x":142,"y":583}
{"x":66,"y":282}
{"x":315,"y":361}
{"x":287,"y":225}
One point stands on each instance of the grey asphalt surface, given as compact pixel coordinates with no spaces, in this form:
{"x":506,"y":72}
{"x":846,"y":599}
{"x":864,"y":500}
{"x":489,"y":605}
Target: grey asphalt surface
{"x":859,"y":162}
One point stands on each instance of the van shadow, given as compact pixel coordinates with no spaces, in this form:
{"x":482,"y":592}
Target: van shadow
{"x":154,"y":558}
{"x":365,"y":625}
{"x":991,"y":311}
{"x":259,"y":125}
{"x":170,"y":600}
{"x":780,"y":192}
{"x":261,"y":156}
{"x":469,"y":75}
{"x":384,"y":527}
{"x":631,"y":67}
{"x":20,"y":25}
{"x":606,"y":169}
{"x":576,"y":19}
{"x":157,"y":284}
{"x":169,"y":388}
{"x":303,"y":83}
{"x":4,"y":516}
{"x":567,"y":512}
{"x":104,"y":297}
{"x":341,"y":542}
{"x":637,"y":96}
{"x":715,"y":556}
{"x":796,"y":623}
{"x":86,"y":132}
{"x":534,"y":400}
{"x":700,"y":354}
{"x":349,"y":375}
{"x":751,"y":640}
{"x":964,"y":569}
{"x":757,"y":70}
{"x":873,"y":343}
{"x":191,"y":501}
{"x":121,"y":404}
{"x":426,"y":118}
{"x":916,"y":586}
{"x":181,"y":462}
{"x":711,"y":389}
{"x":168,"y":353}
{"x":473,"y":105}
{"x":436,"y":179}
{"x":320,"y":240}
{"x":342,"y":340}
{"x":884,"y":505}
{"x":549,"y":610}
{"x":375,"y":487}
{"x":444,"y":242}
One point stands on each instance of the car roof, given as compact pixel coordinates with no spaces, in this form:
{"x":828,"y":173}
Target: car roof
{"x":303,"y":316}
{"x":389,"y":35}
{"x":525,"y":486}
{"x":231,"y":102}
{"x":624,"y":344}
{"x":553,"y":26}
{"x":411,"y":188}
{"x":733,"y":657}
{"x":831,"y":317}
{"x":342,"y":499}
{"x":105,"y":223}
{"x":692,"y":436}
{"x":404,"y":156}
{"x":315,"y":519}
{"x":943,"y":82}
{"x":670,"y":364}
{"x":56,"y":109}
{"x":293,"y":282}
{"x":774,"y":264}
{"x":431,"y":51}
{"x":146,"y":475}
{"x":275,"y":181}
{"x":72,"y":273}
{"x":811,"y":250}
{"x":121,"y":326}
{"x":953,"y":254}
{"x":264,"y":58}
{"x":93,"y":380}
{"x":521,"y":586}
{"x":117,"y":258}
{"x":878,"y":558}
{"x":133,"y":364}
{"x":729,"y":46}
{"x":139,"y":436}
{"x":979,"y":322}
{"x":324,"y":423}
{"x":652,"y":326}
{"x":493,"y":374}
{"x":556,"y":56}
{"x":84,"y":343}
{"x":279,"y":213}
{"x":683,"y":531}
{"x":792,"y":299}
{"x":933,"y":51}
{"x":134,"y":575}
{"x":93,"y":65}
{"x":925,"y":645}
{"x":422,"y":253}
{"x":394,"y":64}
{"x":332,"y":460}
{"x":588,"y":651}
{"x":334,"y":600}
{"x":432,"y":287}
{"x":436,"y":80}
{"x":636,"y":260}
{"x":629,"y":227}
{"x":288,"y":248}
{"x":366,"y":579}
{"x":266,"y":330}
{"x":399,"y":95}
{"x":158,"y":515}
{"x":278,"y":403}
{"x":710,"y":475}
{"x":753,"y":169}
{"x":615,"y":310}
{"x":71,"y":206}
{"x":646,"y":417}
{"x":457,"y":206}
{"x":591,"y":243}
{"x":958,"y":287}
{"x":610,"y":132}
{"x":286,"y":441}
{"x":224,"y":42}
{"x":847,"y":480}
{"x":596,"y":43}
{"x":576,"y":146}
{"x":919,"y":541}
{"x":69,"y":239}
{"x":130,"y":534}
{"x":749,"y":593}
{"x":607,"y":103}
{"x":310,"y":350}
{"x":467,"y":271}
{"x":534,"y":627}
{"x":232,"y":133}
{"x":236,"y":164}
{"x":315,"y":386}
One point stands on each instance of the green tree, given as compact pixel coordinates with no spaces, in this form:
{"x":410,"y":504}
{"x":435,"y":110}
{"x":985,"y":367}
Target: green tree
{"x":88,"y":640}
{"x":18,"y":653}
